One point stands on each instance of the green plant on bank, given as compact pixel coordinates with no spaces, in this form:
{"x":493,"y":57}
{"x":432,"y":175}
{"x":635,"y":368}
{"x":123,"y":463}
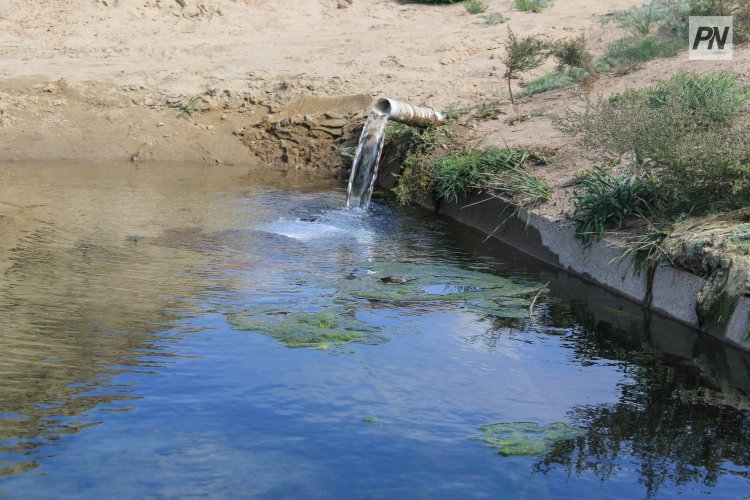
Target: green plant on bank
{"x":645,"y":245}
{"x":449,"y":177}
{"x":531,"y":5}
{"x":683,"y":145}
{"x":637,"y":50}
{"x":453,"y":112}
{"x":521,"y":55}
{"x":660,"y":28}
{"x":573,"y":53}
{"x":489,"y":111}
{"x":493,"y":18}
{"x":555,"y":79}
{"x":608,"y":200}
{"x":740,"y":238}
{"x":475,"y":6}
{"x":574,"y":65}
{"x":189,"y":107}
{"x":516,"y":119}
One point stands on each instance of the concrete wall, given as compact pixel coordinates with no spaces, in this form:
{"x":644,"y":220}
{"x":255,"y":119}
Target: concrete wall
{"x":674,"y":291}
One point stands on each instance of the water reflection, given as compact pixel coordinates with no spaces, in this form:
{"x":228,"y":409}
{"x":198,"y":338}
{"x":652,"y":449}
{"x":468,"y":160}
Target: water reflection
{"x":118,"y":287}
{"x":94,"y":260}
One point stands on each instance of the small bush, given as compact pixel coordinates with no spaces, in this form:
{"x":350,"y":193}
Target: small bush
{"x":641,"y":21}
{"x":555,"y":80}
{"x":493,"y":18}
{"x":521,"y":55}
{"x":475,"y":6}
{"x":573,"y":53}
{"x":531,"y":5}
{"x":688,"y":135}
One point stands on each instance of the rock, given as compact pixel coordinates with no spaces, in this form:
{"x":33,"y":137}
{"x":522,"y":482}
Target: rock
{"x":191,"y":11}
{"x":160,"y":124}
{"x":239,"y":132}
{"x":334,"y":123}
{"x":343,"y":4}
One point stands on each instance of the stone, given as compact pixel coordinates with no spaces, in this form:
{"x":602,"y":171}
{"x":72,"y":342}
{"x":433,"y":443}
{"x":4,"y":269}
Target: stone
{"x":191,"y":11}
{"x":334,"y":123}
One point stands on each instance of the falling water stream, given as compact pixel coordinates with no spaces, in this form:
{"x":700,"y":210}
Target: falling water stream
{"x":365,"y":166}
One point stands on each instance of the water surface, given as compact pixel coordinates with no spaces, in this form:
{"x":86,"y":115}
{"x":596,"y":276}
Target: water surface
{"x":123,"y":375}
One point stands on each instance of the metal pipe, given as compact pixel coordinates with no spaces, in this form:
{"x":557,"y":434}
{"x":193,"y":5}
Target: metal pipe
{"x":406,"y":113}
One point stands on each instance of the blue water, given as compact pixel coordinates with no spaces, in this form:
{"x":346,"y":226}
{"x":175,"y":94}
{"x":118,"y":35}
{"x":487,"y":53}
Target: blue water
{"x":122,"y":377}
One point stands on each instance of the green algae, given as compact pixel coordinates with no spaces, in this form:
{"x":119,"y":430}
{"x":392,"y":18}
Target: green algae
{"x":527,"y":438}
{"x":483,"y":292}
{"x":321,"y":330}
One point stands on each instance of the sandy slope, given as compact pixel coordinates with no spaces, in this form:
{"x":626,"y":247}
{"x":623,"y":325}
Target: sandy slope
{"x":417,"y":52}
{"x":103,"y":79}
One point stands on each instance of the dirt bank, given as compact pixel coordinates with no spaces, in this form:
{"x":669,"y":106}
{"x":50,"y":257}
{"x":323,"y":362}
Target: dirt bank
{"x":105,"y":79}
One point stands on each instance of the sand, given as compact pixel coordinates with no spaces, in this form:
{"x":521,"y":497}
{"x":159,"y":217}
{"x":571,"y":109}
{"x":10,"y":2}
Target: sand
{"x":103,"y":80}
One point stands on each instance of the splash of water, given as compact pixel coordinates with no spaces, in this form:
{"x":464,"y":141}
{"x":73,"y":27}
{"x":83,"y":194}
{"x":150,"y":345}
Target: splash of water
{"x":365,"y":166}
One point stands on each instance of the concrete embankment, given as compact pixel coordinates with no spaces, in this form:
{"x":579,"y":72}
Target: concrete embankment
{"x":667,"y":291}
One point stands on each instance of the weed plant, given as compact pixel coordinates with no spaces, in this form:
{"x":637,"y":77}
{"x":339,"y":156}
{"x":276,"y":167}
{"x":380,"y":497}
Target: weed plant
{"x":531,"y":5}
{"x":475,"y":6}
{"x":686,"y":137}
{"x":556,"y":79}
{"x":189,"y":107}
{"x":493,"y":18}
{"x":608,"y":200}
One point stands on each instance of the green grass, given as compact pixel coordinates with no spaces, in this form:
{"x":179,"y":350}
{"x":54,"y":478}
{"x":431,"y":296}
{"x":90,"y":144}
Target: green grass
{"x":740,"y":238}
{"x":555,"y":79}
{"x":531,"y":5}
{"x":683,"y":148}
{"x":638,"y":50}
{"x":475,"y":6}
{"x":189,"y":107}
{"x":502,"y":170}
{"x":608,"y":200}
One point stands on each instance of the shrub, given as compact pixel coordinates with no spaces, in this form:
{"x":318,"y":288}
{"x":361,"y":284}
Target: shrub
{"x":531,"y":5}
{"x":573,"y":53}
{"x":475,"y":6}
{"x":521,"y":55}
{"x":493,"y":18}
{"x":688,"y":135}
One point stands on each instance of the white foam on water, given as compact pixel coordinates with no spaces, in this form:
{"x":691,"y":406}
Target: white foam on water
{"x":300,"y":230}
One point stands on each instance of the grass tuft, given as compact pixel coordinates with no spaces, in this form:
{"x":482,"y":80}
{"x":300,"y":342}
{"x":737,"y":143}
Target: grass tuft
{"x":531,"y":5}
{"x":555,"y":79}
{"x":475,"y":6}
{"x":493,"y":18}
